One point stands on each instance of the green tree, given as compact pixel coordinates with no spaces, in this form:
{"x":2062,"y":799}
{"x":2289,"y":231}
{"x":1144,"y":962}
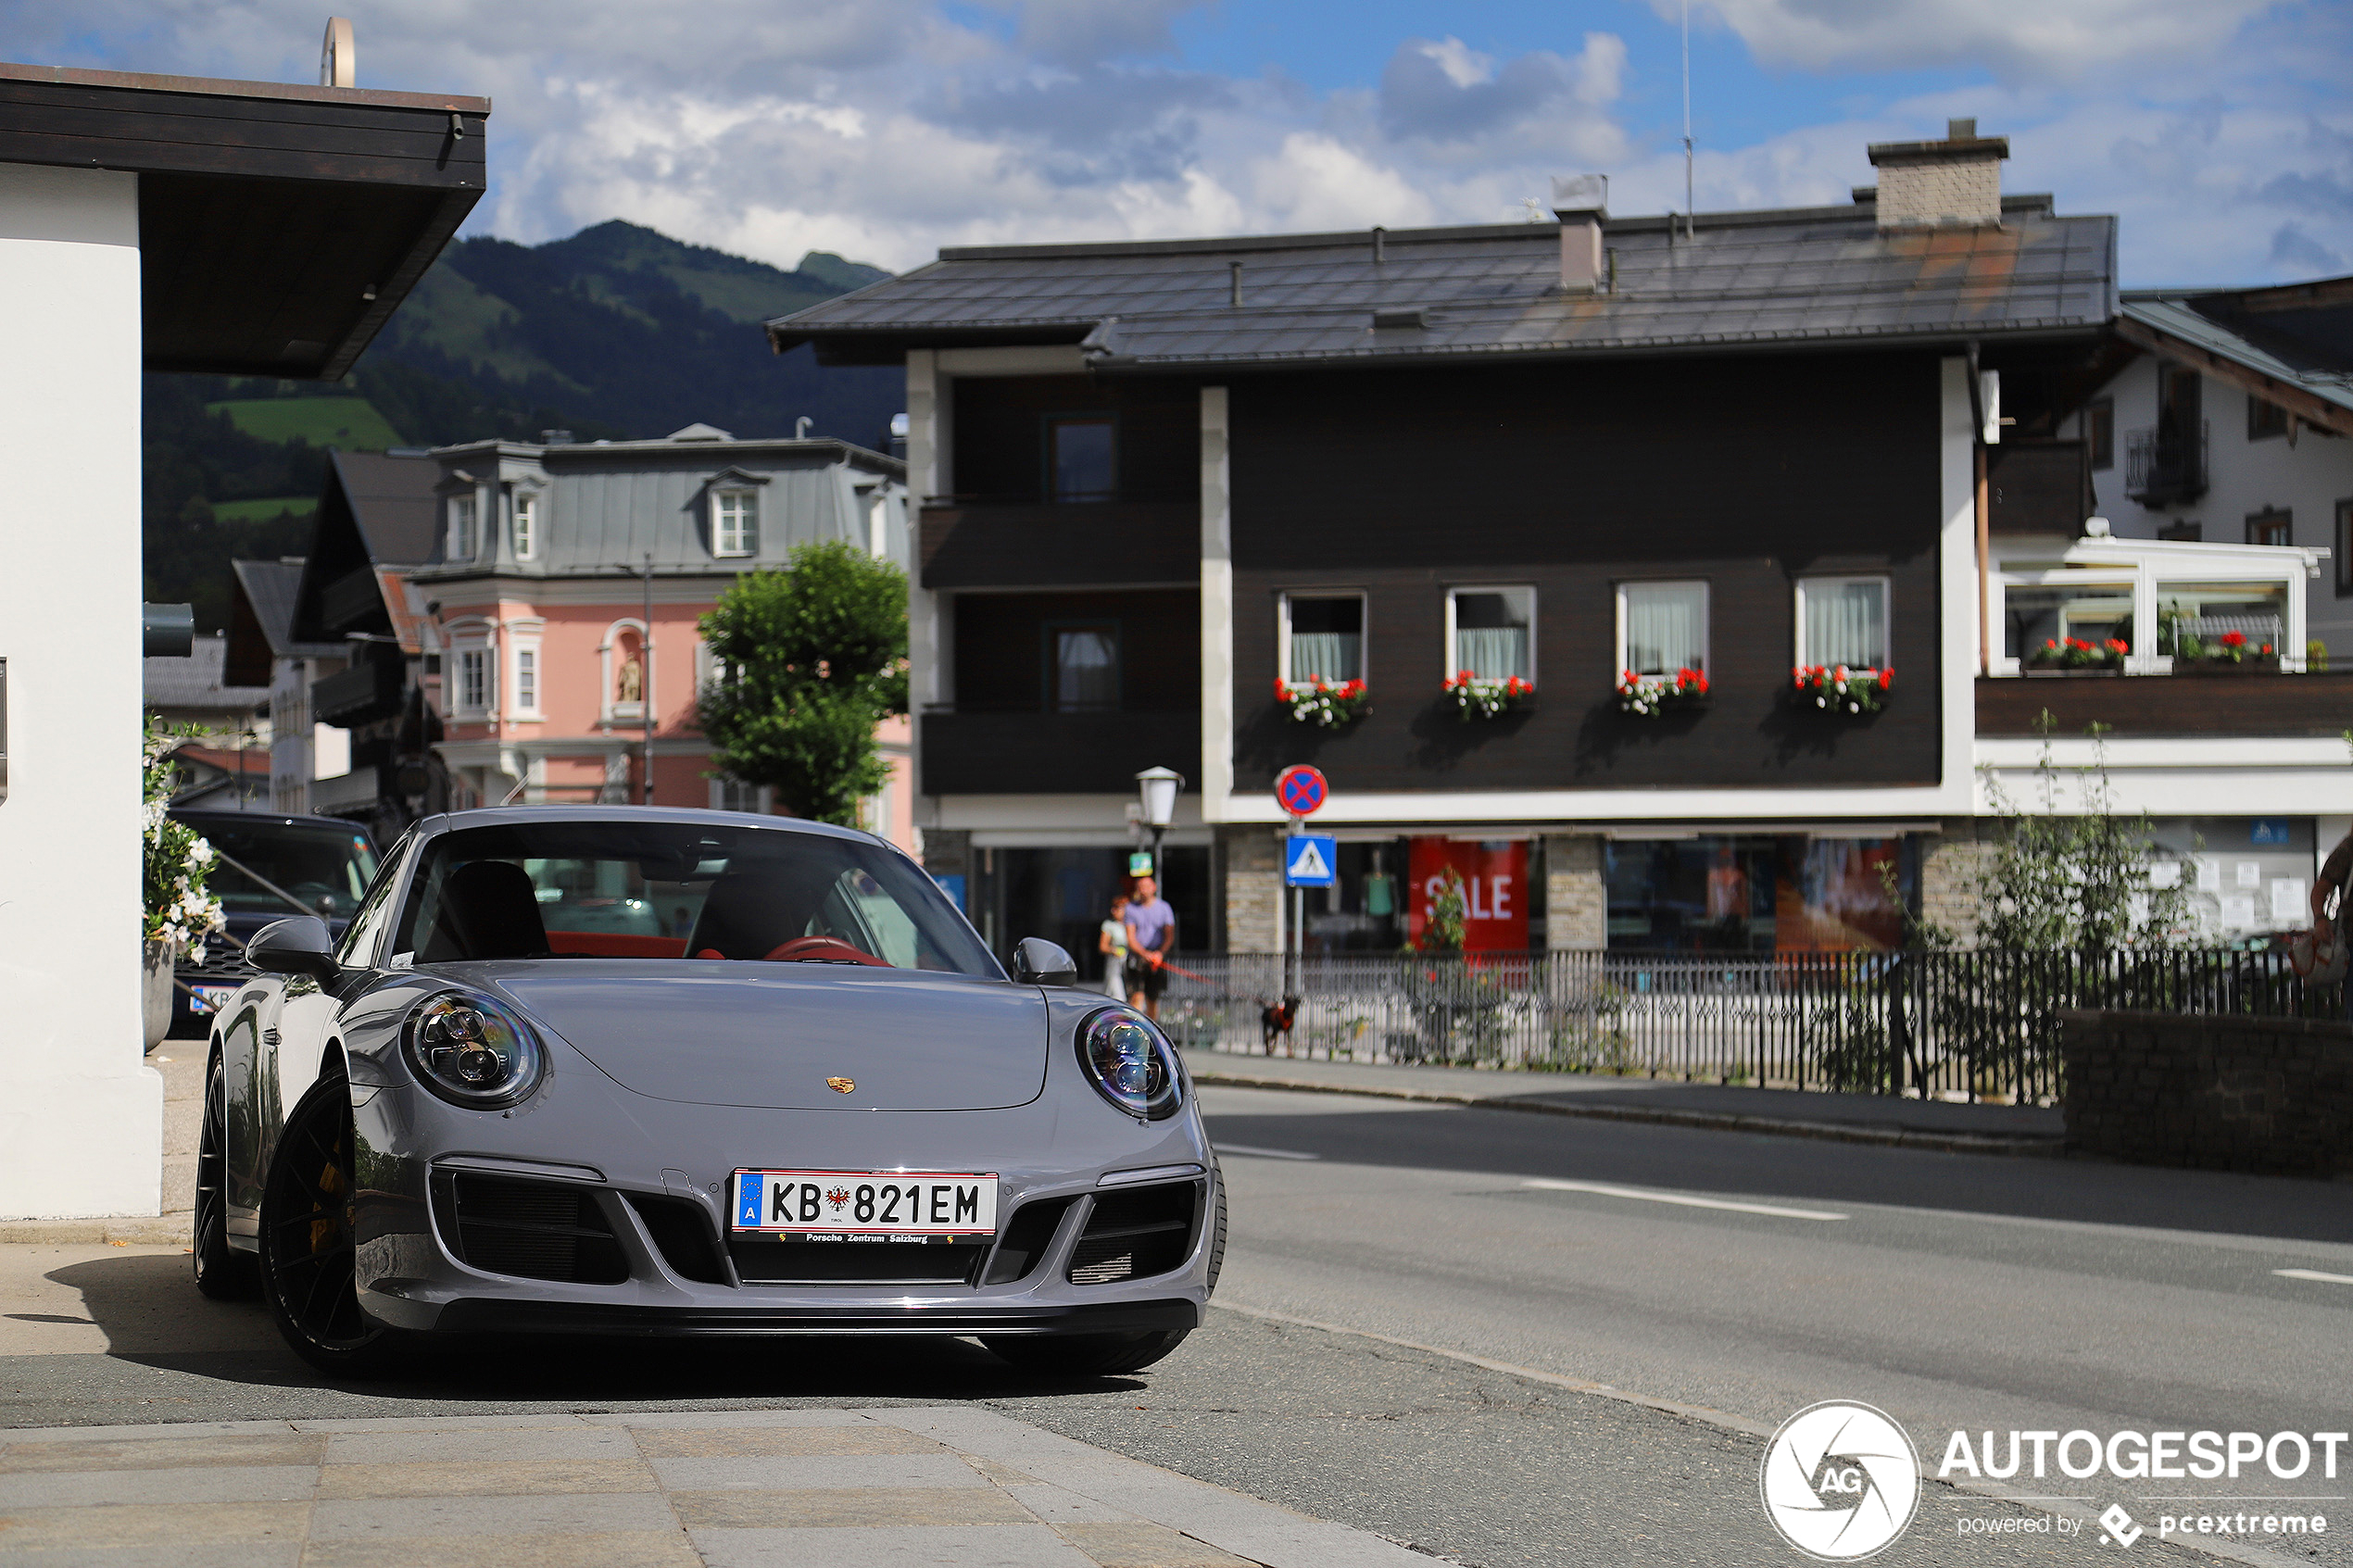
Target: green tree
{"x":808,"y":661}
{"x":2074,"y":881}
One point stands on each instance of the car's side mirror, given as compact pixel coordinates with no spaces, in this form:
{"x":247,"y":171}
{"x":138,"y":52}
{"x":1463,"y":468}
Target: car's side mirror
{"x":1036,"y":962}
{"x":300,"y":945}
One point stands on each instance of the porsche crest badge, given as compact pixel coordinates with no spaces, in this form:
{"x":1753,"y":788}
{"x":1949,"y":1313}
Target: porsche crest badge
{"x":842,"y":1085}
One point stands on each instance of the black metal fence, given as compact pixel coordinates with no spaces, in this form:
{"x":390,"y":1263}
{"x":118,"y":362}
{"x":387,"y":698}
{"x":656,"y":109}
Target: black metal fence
{"x":1976,"y":1024}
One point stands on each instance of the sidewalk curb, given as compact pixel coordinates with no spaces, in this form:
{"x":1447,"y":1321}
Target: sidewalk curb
{"x":153,"y":1230}
{"x":1716,"y":1120}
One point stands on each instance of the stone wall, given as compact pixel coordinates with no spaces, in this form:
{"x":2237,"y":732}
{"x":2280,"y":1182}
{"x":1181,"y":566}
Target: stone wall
{"x":2222,"y":1093}
{"x":1952,"y":867}
{"x":1576,"y":897}
{"x":1253,"y":860}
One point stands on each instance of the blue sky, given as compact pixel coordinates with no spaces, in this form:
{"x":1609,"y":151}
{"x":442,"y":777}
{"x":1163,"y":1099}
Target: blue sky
{"x":2220,"y":131}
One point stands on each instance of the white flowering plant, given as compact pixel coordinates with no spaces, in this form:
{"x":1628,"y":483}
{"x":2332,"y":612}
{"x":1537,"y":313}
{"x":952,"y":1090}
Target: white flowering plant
{"x":1647,"y":696}
{"x":1476,"y":698}
{"x":1840,"y":688}
{"x":1318,"y":701}
{"x":180,"y":912}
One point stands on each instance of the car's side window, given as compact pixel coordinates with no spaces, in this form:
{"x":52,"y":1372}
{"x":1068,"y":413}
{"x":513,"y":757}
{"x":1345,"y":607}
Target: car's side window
{"x":360,"y":938}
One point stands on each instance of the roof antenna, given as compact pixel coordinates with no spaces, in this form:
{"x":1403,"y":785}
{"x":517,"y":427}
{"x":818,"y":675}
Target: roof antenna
{"x":1688,"y":207}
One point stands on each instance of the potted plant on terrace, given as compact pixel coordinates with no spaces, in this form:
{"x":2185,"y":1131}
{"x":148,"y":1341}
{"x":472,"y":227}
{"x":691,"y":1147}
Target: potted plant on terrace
{"x":1321,"y":702}
{"x":1647,"y":697}
{"x":2231,"y":654}
{"x":1839,"y":688}
{"x":2073,"y":656}
{"x":1477,"y":698}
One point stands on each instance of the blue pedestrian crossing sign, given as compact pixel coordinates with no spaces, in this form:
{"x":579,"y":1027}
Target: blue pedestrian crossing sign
{"x":1310,"y":859}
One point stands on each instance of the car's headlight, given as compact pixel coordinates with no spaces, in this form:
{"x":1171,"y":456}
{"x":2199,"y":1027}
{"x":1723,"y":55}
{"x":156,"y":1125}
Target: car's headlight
{"x":1131,"y":1063}
{"x":472,"y":1052}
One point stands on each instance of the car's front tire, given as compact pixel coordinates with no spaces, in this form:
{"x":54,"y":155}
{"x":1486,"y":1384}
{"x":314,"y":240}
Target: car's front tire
{"x":222,"y":1272}
{"x":307,"y":1242}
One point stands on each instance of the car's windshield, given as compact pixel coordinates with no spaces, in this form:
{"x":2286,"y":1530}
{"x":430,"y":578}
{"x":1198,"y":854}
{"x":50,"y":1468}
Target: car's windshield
{"x":673,"y":890}
{"x":325,"y":869}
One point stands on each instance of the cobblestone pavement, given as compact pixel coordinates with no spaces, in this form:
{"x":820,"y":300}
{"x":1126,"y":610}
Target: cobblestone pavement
{"x":825,"y":1488}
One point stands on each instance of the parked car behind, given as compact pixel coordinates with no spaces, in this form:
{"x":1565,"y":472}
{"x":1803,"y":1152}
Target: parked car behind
{"x":269,"y":867}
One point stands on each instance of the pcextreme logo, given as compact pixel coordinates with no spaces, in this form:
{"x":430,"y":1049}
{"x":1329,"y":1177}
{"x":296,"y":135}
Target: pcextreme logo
{"x":1840,"y":1481}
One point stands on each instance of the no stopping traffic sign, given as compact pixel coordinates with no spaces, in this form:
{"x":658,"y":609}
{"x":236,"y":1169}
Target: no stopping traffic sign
{"x":1300,"y":789}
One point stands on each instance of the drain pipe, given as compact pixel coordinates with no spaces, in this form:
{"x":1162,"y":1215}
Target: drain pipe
{"x":1984,"y":532}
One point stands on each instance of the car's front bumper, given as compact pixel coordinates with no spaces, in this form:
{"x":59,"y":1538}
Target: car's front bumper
{"x":412,"y":1272}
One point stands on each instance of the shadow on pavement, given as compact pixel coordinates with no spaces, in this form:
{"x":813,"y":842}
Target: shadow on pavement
{"x":152,"y":1316}
{"x":1757,"y":1165}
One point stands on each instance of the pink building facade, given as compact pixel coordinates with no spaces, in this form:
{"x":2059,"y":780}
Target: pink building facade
{"x":563,"y":599}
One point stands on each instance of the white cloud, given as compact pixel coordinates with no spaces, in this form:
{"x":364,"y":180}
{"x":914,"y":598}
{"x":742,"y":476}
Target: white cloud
{"x":885,"y":129}
{"x":2016,"y":39}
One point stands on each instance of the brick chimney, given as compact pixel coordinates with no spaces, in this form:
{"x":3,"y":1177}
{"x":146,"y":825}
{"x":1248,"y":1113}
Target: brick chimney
{"x":1953,"y":184}
{"x":1581,"y":203}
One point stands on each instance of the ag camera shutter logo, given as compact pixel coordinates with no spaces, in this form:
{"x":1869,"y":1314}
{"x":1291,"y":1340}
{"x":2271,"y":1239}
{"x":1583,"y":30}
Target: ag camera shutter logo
{"x":1840,"y":1481}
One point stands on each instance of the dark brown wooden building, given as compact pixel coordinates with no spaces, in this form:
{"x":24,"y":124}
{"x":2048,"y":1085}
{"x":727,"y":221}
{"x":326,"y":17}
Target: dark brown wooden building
{"x":1161,"y":479}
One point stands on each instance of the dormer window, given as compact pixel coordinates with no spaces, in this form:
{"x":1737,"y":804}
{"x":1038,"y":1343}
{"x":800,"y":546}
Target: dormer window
{"x":526,"y":526}
{"x":734,"y":527}
{"x":464,"y":535}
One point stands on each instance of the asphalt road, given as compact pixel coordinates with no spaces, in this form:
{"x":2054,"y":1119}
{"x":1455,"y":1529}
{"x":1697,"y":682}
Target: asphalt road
{"x":1955,"y":1290}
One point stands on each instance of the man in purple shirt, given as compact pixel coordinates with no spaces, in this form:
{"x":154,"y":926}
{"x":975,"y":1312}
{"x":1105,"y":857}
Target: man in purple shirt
{"x":1151,"y":934}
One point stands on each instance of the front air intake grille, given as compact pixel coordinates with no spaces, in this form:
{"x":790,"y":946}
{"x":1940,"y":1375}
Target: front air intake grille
{"x":537,"y":1230}
{"x":1136,"y":1233}
{"x":682,"y":1232}
{"x":761,"y":1262}
{"x":1027,"y":1235}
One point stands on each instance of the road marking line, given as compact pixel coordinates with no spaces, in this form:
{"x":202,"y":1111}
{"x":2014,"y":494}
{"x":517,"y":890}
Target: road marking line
{"x":1265,"y":1153}
{"x":1608,"y":1191}
{"x":2314,"y":1273}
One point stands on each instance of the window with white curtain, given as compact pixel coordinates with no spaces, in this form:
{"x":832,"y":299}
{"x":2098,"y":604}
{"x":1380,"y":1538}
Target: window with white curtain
{"x":1491,"y":634}
{"x":464,"y":535}
{"x":526,"y":680}
{"x":1842,"y":620}
{"x":1085,"y":669}
{"x":733,"y":525}
{"x":1662,"y":627}
{"x":1323,"y":637}
{"x":526,"y":526}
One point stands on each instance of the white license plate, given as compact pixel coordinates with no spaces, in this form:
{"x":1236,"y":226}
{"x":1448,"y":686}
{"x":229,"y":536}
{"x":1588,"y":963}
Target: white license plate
{"x":842,"y":1204}
{"x":211,"y":998}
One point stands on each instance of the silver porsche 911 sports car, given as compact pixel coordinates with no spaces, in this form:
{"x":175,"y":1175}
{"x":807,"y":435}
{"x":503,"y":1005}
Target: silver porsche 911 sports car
{"x":618,"y":1070}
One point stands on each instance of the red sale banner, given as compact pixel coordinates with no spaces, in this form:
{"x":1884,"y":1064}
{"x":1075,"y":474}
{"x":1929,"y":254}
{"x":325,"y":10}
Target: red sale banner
{"x":1494,"y":891}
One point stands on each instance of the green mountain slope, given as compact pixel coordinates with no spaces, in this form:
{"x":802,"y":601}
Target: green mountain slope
{"x":625,"y":329}
{"x":616,"y":332}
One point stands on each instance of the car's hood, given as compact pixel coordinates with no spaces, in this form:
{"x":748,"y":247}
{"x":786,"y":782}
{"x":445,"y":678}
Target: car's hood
{"x":774,"y":1034}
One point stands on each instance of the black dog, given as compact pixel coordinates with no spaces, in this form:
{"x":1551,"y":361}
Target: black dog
{"x":1274,"y":1022}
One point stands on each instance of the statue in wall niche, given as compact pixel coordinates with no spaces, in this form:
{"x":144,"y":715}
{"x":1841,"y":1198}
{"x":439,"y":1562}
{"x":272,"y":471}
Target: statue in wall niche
{"x":632,"y":682}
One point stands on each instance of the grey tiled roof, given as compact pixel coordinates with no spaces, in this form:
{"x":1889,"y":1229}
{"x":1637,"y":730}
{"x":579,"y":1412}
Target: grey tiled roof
{"x":2305,"y":346}
{"x":1821,"y":274}
{"x":269,"y":587}
{"x":195,"y":682}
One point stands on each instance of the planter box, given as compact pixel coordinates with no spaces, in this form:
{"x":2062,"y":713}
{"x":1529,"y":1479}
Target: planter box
{"x":2221,"y":667}
{"x":2057,"y":674}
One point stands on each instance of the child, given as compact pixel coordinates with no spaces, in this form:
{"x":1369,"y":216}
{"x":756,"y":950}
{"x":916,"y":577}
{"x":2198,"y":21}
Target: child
{"x":1112,"y":943}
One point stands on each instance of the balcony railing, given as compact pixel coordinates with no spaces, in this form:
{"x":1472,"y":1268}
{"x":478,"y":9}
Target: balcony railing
{"x":2163,"y":464}
{"x":973,"y":544}
{"x":2266,"y":706}
{"x":1033,"y":753}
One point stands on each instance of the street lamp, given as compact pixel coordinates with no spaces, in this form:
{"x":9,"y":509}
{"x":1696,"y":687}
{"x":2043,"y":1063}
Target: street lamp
{"x":1157,"y":788}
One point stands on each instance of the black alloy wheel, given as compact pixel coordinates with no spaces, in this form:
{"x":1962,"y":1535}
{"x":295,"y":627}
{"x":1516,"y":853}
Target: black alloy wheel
{"x":307,"y":1242}
{"x":222,"y":1272}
